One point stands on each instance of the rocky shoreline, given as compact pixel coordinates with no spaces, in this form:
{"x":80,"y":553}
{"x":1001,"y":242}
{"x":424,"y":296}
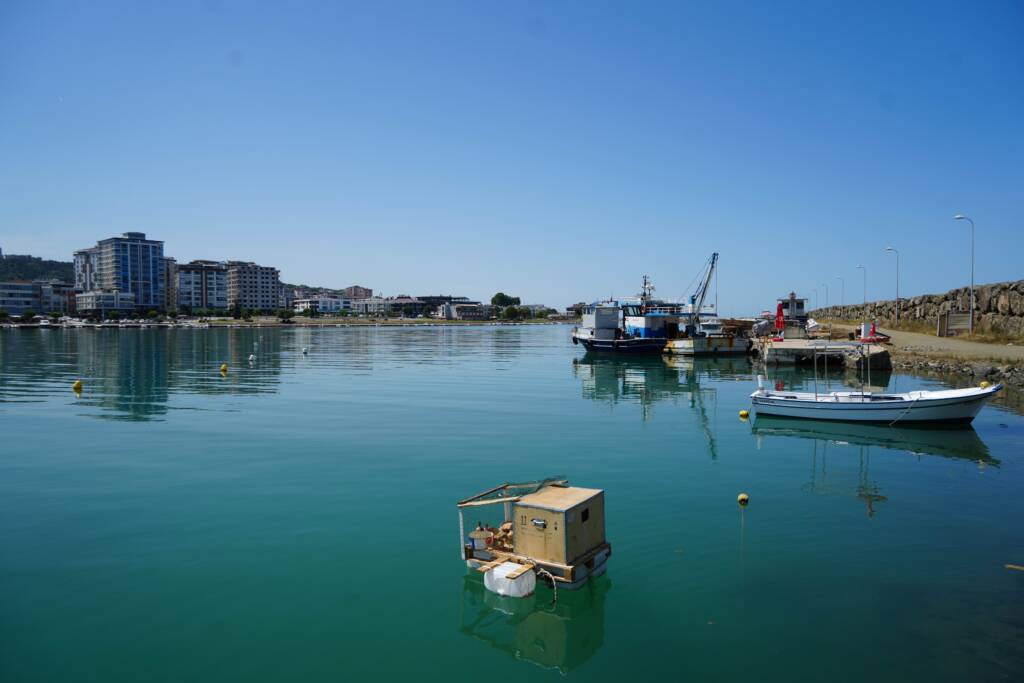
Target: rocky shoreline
{"x":1009,"y":374}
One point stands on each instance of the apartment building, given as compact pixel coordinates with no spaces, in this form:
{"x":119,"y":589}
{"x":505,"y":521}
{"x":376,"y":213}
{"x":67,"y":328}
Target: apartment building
{"x":202,"y":285}
{"x":252,"y":286}
{"x":127,"y":264}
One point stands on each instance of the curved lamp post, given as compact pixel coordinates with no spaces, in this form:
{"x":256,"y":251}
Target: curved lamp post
{"x":961,"y":217}
{"x":896,"y":251}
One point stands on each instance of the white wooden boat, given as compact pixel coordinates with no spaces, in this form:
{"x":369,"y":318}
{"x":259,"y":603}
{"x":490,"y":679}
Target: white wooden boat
{"x":947,"y":405}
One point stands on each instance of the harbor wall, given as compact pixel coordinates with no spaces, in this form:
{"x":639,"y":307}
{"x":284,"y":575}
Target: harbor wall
{"x":998,"y":309}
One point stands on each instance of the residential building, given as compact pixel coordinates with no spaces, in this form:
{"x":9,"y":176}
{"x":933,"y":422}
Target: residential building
{"x":285,"y":298}
{"x":40,"y":297}
{"x":434,"y":300}
{"x":171,"y":278}
{"x":356,"y":292}
{"x":253,"y":287}
{"x":534,"y":309}
{"x":102,"y":303}
{"x":132,"y":263}
{"x":56,"y":296}
{"x":85,"y":269}
{"x":465,"y":311}
{"x":202,"y":285}
{"x":402,"y":304}
{"x":129,"y":263}
{"x":18,"y":297}
{"x":325,"y":305}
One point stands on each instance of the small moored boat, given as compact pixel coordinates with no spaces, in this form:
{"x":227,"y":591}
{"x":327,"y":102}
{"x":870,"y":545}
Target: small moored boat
{"x":947,"y":405}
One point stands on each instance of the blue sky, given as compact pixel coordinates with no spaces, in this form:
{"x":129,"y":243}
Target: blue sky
{"x":556,"y":151}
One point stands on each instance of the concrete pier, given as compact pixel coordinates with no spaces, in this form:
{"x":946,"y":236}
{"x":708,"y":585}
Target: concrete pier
{"x":853,"y":355}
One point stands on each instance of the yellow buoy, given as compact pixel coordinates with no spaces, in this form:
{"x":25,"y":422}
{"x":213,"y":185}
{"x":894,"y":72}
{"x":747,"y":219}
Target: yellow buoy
{"x":224,"y":368}
{"x":984,"y":384}
{"x":743,"y":499}
{"x":744,"y":414}
{"x":77,"y":386}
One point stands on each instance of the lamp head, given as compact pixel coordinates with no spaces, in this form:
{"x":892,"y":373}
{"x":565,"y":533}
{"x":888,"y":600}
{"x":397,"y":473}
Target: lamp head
{"x":959,"y":217}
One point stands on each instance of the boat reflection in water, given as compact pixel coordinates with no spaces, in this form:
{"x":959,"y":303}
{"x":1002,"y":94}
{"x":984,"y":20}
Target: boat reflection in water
{"x":849,"y":438}
{"x":561,"y":636}
{"x":648,"y":380}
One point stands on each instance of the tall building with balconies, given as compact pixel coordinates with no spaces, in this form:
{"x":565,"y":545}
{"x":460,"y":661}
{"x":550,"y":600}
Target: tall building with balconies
{"x":128,"y":264}
{"x":253,"y":287}
{"x":202,"y":285}
{"x":85,"y":269}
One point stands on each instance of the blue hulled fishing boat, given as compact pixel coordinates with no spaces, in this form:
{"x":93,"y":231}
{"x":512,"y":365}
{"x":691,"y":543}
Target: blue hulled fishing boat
{"x":639,"y":325}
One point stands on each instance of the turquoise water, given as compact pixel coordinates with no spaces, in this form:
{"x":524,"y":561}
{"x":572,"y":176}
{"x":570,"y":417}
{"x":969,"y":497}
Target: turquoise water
{"x":296,"y":519}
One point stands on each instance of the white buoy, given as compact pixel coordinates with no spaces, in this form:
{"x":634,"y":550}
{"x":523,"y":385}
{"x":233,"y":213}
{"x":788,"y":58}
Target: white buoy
{"x":252,"y":357}
{"x":305,"y":350}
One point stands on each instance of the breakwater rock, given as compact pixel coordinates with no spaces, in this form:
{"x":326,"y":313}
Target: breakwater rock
{"x":1010,"y":375}
{"x":998,"y":308}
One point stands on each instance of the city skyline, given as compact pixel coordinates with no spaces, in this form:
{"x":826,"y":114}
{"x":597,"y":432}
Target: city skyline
{"x":556,"y":153}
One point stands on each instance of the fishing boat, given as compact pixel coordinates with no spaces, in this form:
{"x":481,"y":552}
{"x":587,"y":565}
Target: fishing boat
{"x":946,"y":405}
{"x":639,"y":325}
{"x":547,"y":529}
{"x":703,"y":334}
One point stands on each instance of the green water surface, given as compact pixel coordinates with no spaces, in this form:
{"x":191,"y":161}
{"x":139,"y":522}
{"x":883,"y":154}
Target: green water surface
{"x":295,"y":519}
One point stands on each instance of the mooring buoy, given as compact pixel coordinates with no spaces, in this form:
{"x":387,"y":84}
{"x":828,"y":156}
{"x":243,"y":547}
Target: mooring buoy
{"x":77,"y":386}
{"x":743,"y":499}
{"x":744,"y":414}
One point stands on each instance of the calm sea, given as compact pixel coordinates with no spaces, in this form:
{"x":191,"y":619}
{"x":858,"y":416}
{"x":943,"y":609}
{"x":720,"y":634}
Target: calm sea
{"x":296,"y":519}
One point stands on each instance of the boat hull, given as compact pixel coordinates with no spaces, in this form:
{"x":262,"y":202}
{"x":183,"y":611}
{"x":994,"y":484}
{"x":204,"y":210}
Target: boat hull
{"x":707,"y":346}
{"x":638,"y":345}
{"x":940,"y":406}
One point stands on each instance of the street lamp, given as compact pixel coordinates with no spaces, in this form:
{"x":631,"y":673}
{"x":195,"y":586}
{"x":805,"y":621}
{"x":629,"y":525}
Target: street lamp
{"x":961,"y":217}
{"x":865,"y":270}
{"x":826,"y":295}
{"x":897,"y":252}
{"x":815,"y":298}
{"x":842,"y":296}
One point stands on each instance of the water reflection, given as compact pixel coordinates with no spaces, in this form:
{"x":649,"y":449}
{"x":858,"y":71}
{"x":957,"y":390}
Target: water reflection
{"x":561,"y":636}
{"x":843,"y":439}
{"x":132,"y":374}
{"x":650,"y":380}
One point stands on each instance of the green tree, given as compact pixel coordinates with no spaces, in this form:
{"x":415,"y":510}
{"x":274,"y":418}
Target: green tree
{"x":54,"y":315}
{"x":151,"y":314}
{"x":285,"y":314}
{"x":236,"y":310}
{"x":4,"y":315}
{"x":502,"y":299}
{"x":113,"y":315}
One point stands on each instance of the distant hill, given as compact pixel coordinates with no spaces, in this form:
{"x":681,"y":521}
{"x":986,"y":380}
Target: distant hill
{"x":14,"y":267}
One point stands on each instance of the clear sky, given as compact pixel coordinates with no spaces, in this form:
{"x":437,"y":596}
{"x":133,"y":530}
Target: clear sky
{"x":554,"y":150}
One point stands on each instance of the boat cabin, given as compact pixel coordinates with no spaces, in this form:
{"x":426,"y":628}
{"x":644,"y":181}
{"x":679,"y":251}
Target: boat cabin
{"x":546,"y":525}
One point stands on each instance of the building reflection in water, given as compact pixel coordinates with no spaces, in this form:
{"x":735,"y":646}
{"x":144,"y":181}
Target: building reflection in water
{"x":825,"y":438}
{"x":561,"y":636}
{"x":131,"y":374}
